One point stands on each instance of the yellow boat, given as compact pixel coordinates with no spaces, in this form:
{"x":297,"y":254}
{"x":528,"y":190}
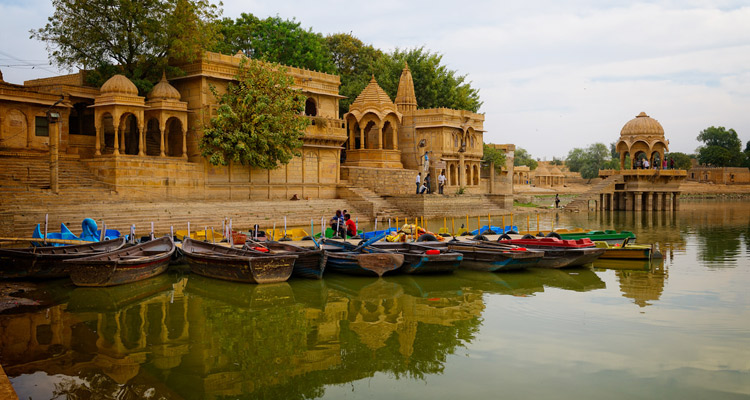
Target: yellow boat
{"x":628,"y":251}
{"x":202,"y":235}
{"x":291,"y":234}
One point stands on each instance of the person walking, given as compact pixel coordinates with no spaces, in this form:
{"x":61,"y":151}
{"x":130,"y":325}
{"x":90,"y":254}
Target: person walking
{"x":557,"y":200}
{"x":441,"y":182}
{"x":671,"y":163}
{"x":419,"y":180}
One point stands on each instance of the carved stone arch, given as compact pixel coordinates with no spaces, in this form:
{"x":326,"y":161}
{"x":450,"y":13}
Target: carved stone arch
{"x":475,"y":175}
{"x":311,"y":107}
{"x":174,"y":138}
{"x":129,"y":133}
{"x":14,"y":132}
{"x":153,"y":137}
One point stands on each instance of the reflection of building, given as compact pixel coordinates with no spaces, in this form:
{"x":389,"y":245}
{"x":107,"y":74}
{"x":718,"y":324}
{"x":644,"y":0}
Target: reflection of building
{"x":643,"y":287}
{"x":720,"y":175}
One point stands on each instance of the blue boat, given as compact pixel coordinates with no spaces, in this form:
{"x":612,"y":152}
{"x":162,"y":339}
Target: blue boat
{"x":89,"y":233}
{"x":496,"y":230}
{"x":372,"y":234}
{"x":346,"y":258}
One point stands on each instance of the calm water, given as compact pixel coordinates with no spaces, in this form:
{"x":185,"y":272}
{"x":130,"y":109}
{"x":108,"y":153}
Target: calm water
{"x":674,"y":329}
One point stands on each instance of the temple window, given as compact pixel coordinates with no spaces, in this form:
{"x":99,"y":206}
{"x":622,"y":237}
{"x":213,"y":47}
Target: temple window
{"x":311,"y":110}
{"x":41,"y":126}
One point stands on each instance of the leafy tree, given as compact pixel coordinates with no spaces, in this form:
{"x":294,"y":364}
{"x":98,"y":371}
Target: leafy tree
{"x":132,"y":37}
{"x":722,"y":147}
{"x":276,"y":40}
{"x":556,"y":161}
{"x":434,"y":84}
{"x":522,"y":157}
{"x":493,"y":155}
{"x":355,"y":63}
{"x":590,"y":160}
{"x":681,"y":160}
{"x":747,"y":154}
{"x":259,"y":121}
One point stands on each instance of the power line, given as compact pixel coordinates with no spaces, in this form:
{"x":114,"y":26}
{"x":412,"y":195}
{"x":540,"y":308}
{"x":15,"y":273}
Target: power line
{"x":26,"y":63}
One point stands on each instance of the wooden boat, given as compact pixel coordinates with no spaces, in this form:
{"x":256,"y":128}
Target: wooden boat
{"x":420,"y":260}
{"x":295,"y":234}
{"x":114,"y":299}
{"x":207,"y":235}
{"x":490,"y":259}
{"x":130,"y":264}
{"x":559,"y":253}
{"x":237,"y":265}
{"x":609,"y":236}
{"x":310,"y":263}
{"x":626,"y":251}
{"x":47,"y":262}
{"x":356,"y":261}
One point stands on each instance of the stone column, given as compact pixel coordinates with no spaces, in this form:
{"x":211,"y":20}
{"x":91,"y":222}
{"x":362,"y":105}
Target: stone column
{"x":638,"y":201}
{"x":611,"y":202}
{"x":461,"y":170}
{"x":362,"y":138}
{"x":162,"y":134}
{"x":184,"y":143}
{"x":351,"y":138}
{"x":649,"y":201}
{"x":659,"y":200}
{"x":117,"y":138}
{"x":395,"y":138}
{"x":380,"y":138}
{"x":667,"y":201}
{"x":676,"y":201}
{"x":141,"y":139}
{"x":628,"y":201}
{"x":99,"y":134}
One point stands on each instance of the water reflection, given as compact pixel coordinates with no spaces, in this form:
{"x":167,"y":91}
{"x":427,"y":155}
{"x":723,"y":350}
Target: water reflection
{"x":640,"y":280}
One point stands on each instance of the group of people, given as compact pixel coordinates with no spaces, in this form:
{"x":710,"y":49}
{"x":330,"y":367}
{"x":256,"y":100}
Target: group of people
{"x":424,"y":186}
{"x":343,"y":224}
{"x":643,"y":163}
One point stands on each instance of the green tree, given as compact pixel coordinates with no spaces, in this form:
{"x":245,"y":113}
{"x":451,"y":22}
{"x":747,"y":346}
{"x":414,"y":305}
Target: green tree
{"x":522,"y":157}
{"x":722,"y":147}
{"x":556,"y":161}
{"x":681,"y":160}
{"x":590,"y":160}
{"x":355,"y":63}
{"x":747,"y":154}
{"x":132,"y":37}
{"x":493,"y":155}
{"x":276,"y":40}
{"x":434,"y":84}
{"x":259,"y":121}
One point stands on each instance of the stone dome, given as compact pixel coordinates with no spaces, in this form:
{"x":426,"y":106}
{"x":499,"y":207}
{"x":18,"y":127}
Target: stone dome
{"x":119,"y":84}
{"x":541,"y":170}
{"x":555,"y":171}
{"x":373,"y":96}
{"x":163,"y":91}
{"x":642,"y":124}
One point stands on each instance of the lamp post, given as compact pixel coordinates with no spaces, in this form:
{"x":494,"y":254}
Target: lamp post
{"x":54,"y":141}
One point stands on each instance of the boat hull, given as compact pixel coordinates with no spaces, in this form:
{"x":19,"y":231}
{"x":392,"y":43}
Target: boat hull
{"x":363,"y":264}
{"x":131,"y":264}
{"x":627,"y":253}
{"x":418,"y":262}
{"x":310,"y":263}
{"x":237,"y":265}
{"x":47,"y":262}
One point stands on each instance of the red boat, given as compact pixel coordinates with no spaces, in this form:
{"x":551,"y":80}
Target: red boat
{"x":559,"y":253}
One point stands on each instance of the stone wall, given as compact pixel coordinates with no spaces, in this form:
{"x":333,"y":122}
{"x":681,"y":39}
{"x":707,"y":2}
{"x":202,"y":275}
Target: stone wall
{"x":431,"y":206}
{"x":383,"y":181}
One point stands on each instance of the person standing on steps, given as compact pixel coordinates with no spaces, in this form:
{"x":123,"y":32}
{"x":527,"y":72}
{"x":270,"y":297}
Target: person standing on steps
{"x":441,"y":182}
{"x":427,"y":182}
{"x":426,"y":162}
{"x":557,"y":200}
{"x":419,"y":180}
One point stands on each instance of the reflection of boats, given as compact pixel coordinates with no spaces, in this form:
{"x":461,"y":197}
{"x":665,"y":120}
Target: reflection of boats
{"x":577,"y":279}
{"x":93,"y":299}
{"x":254,"y":297}
{"x":626,"y":251}
{"x":421,"y":260}
{"x":126,"y":265}
{"x":310,"y":263}
{"x":559,"y":253}
{"x":632,"y":265}
{"x":47,"y":262}
{"x":515,"y":283}
{"x":237,"y":265}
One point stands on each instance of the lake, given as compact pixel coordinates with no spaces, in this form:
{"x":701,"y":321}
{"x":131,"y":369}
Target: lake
{"x":676,"y":328}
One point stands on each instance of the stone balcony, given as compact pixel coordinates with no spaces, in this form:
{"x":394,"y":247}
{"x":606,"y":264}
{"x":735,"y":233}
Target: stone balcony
{"x":376,"y":158}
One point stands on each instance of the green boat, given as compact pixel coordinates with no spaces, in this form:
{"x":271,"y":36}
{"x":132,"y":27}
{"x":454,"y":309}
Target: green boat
{"x":609,"y":236}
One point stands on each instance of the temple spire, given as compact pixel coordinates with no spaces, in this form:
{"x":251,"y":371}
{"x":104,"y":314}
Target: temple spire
{"x":406,"y":100}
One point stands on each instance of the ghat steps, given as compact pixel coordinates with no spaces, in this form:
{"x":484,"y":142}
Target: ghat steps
{"x":581,"y":202}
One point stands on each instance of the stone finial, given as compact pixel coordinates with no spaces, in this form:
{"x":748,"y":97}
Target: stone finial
{"x":406,"y":99}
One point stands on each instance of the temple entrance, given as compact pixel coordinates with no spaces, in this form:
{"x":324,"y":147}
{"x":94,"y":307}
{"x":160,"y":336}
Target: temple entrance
{"x":388,"y":136}
{"x":174,"y":138}
{"x":108,"y":128}
{"x":153,"y":138}
{"x":130,"y":135}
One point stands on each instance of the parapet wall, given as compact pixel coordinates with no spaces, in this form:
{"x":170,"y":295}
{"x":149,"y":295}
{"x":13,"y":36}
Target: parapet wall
{"x":383,"y":181}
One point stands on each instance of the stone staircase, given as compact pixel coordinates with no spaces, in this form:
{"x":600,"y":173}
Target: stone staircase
{"x":29,"y":172}
{"x":581,"y":202}
{"x":368,"y":200}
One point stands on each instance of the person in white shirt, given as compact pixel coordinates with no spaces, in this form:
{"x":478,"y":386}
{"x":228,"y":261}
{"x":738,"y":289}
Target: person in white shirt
{"x":441,"y":182}
{"x":419,"y":179}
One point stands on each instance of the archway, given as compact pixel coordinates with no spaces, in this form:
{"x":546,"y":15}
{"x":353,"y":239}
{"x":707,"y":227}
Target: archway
{"x":174,"y":138}
{"x":108,"y":130}
{"x":475,"y":175}
{"x":468,"y":175}
{"x":371,"y":136}
{"x":452,"y":173}
{"x":388,"y":136}
{"x":311,"y":109}
{"x":153,"y":138}
{"x":129,"y":140}
{"x":14,"y":131}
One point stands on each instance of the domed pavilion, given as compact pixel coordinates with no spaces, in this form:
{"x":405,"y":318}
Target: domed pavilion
{"x":642,"y":137}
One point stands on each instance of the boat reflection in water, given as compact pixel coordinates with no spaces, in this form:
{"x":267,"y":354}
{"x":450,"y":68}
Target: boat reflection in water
{"x":640,"y":280}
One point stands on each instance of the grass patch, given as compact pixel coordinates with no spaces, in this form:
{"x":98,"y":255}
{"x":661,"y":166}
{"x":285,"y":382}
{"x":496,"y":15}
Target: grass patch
{"x":530,"y":204}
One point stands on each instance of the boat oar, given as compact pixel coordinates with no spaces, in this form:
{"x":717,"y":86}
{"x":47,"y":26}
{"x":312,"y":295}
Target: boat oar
{"x":372,"y":240}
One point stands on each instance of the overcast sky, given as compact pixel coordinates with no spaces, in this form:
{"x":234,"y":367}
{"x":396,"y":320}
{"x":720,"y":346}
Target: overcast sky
{"x":553,"y":74}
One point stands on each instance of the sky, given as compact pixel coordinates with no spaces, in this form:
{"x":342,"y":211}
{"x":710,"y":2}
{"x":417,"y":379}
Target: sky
{"x":553,"y":74}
